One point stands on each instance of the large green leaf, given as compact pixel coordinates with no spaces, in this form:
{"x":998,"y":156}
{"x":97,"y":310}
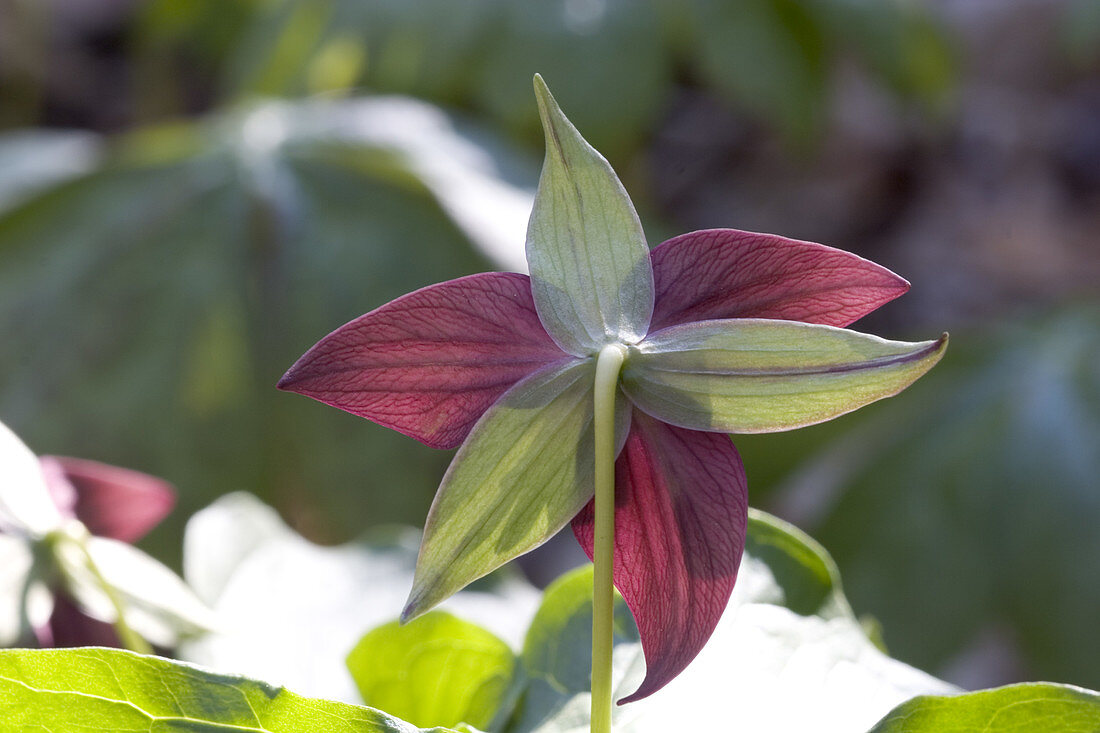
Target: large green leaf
{"x":110,"y":690}
{"x":1038,"y":706}
{"x":590,"y":271}
{"x":467,"y":670}
{"x":751,"y":375}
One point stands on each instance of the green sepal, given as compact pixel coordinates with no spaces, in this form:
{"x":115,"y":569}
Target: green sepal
{"x":590,"y":269}
{"x":758,"y":376}
{"x":525,"y":470}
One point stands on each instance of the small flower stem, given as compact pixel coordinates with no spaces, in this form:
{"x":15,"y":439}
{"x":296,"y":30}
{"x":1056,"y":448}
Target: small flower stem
{"x":608,"y":364}
{"x":129,"y":638}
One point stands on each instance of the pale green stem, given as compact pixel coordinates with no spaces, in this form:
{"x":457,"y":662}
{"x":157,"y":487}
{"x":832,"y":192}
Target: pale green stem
{"x":77,"y":534}
{"x":129,"y":638}
{"x":608,"y":365}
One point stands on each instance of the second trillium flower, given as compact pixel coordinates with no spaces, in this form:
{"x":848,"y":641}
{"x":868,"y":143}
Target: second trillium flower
{"x":722,"y":331}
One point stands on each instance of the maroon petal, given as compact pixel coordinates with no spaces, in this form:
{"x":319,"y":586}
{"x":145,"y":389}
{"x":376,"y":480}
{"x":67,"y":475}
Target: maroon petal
{"x":70,"y":627}
{"x":431,"y":362}
{"x":681,"y":507}
{"x":110,"y":501}
{"x":726,"y":273}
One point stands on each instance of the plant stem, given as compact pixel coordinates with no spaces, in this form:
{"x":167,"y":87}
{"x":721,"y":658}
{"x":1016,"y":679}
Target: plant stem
{"x":129,"y":638}
{"x":608,"y":364}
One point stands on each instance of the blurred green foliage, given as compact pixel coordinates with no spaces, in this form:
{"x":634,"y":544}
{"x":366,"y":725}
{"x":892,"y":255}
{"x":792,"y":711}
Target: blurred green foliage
{"x":969,"y":503}
{"x":149,"y":304}
{"x":614,"y":61}
{"x":154,"y":285}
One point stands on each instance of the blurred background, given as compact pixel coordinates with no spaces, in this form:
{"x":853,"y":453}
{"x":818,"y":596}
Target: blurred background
{"x":192,"y":192}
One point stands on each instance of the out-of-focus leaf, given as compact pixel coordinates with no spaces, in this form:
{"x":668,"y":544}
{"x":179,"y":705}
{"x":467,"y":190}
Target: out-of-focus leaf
{"x":289,"y":610}
{"x":31,"y":160}
{"x":901,"y":43}
{"x":1081,"y":31}
{"x":436,"y":670}
{"x":770,"y":56}
{"x":605,"y":60}
{"x":1039,"y":706}
{"x":976,"y":488}
{"x":478,"y":53}
{"x":98,"y":689}
{"x":245,"y":239}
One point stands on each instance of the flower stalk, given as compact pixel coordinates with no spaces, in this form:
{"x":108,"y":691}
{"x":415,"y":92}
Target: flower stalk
{"x":608,"y":365}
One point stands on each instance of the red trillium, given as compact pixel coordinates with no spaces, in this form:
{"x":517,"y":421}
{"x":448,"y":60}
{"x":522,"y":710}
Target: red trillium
{"x":722,"y":331}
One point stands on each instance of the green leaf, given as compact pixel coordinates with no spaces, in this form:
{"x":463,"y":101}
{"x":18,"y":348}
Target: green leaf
{"x":590,"y":271}
{"x":771,"y":56}
{"x":436,"y":670}
{"x":1039,"y":706}
{"x":803,"y":570}
{"x":609,"y":59}
{"x":111,"y":690}
{"x":755,"y":375}
{"x":557,"y":658}
{"x":524,"y":471}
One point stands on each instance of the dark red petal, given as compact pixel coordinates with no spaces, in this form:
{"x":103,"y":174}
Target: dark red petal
{"x":431,"y":362}
{"x":111,"y":501}
{"x":70,"y":627}
{"x":681,"y":507}
{"x":726,"y":273}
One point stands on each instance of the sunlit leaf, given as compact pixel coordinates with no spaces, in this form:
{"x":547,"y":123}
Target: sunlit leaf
{"x":1032,"y":706}
{"x":467,"y":669}
{"x":110,"y":690}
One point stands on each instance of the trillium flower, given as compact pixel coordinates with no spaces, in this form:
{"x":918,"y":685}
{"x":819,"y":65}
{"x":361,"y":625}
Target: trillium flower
{"x":66,"y":567}
{"x":719,"y":331}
